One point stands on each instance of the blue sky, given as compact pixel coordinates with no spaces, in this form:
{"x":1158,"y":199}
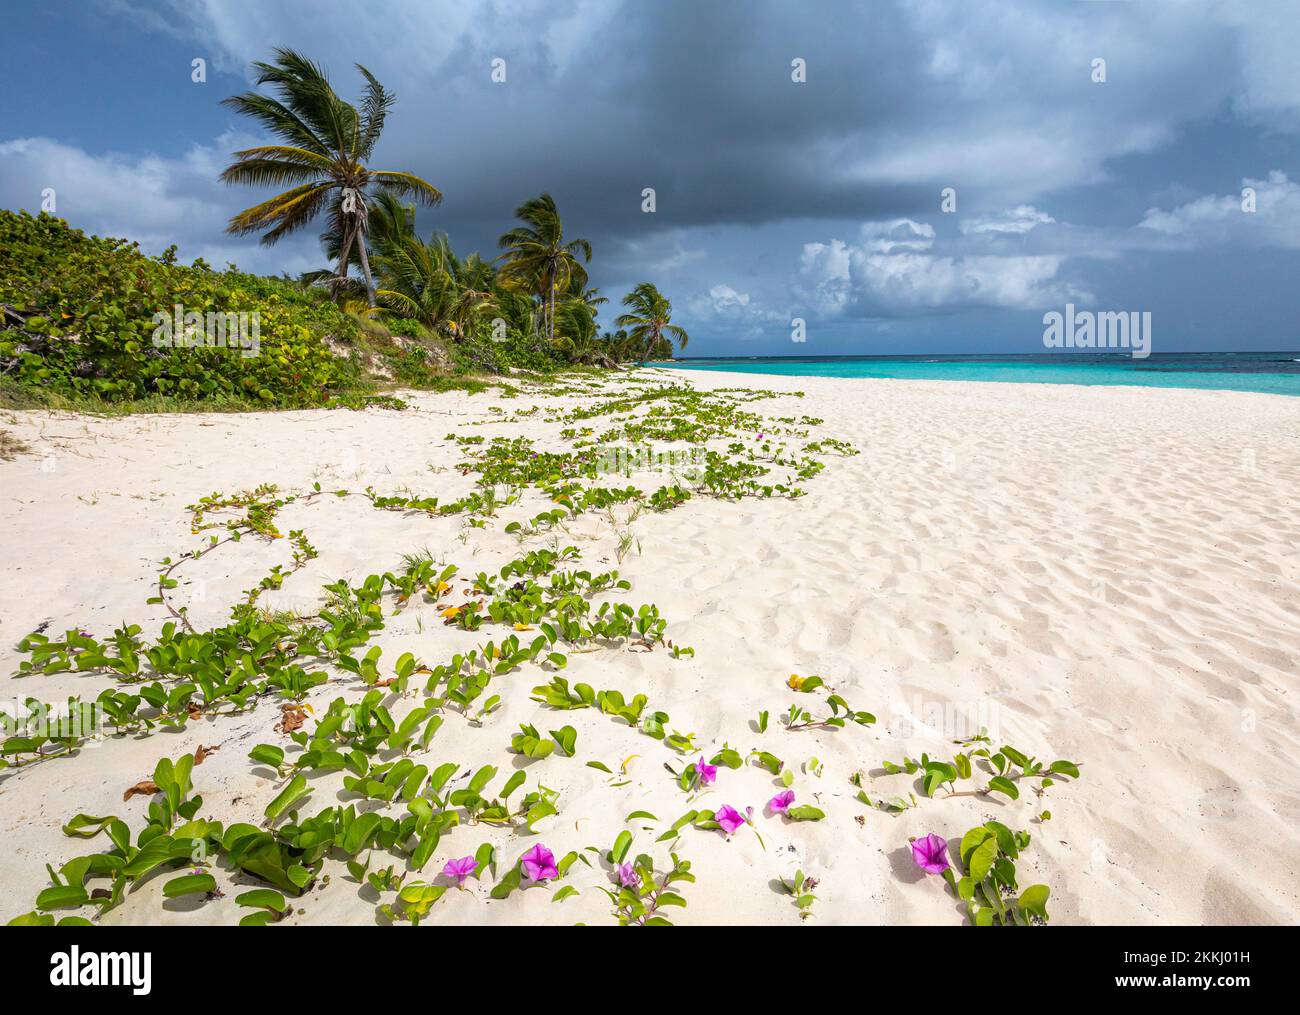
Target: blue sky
{"x":775,"y":199}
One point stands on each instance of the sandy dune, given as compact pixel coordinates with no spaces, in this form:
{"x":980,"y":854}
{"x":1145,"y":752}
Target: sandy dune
{"x":1107,"y":575}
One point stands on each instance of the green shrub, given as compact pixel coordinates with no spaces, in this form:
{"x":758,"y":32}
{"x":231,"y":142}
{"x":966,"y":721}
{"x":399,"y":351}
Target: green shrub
{"x":79,"y":321}
{"x":529,"y":352}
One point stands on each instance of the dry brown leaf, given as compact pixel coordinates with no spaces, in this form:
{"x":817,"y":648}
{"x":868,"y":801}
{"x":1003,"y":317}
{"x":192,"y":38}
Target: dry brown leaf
{"x":291,"y":717}
{"x":145,"y":787}
{"x":203,"y":752}
{"x":194,"y":710}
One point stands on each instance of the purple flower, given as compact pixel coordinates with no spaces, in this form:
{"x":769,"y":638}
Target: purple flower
{"x":780,"y":803}
{"x":627,"y":876}
{"x":729,"y":818}
{"x":539,"y":864}
{"x":707,"y":773}
{"x":460,"y":869}
{"x":931,"y":854}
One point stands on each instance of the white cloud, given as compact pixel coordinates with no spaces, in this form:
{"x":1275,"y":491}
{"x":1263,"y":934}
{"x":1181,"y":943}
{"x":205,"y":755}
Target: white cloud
{"x":726,"y":298}
{"x":895,"y":235}
{"x":890,"y":271}
{"x":736,"y":313}
{"x":152,"y":199}
{"x":1016,"y":222}
{"x":1223,"y":219}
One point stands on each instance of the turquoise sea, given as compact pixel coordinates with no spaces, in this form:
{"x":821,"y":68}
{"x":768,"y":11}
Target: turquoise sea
{"x":1276,"y":373}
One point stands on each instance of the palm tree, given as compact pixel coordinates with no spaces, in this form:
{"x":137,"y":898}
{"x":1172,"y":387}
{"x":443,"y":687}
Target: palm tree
{"x":428,"y":282}
{"x":474,"y":280}
{"x":575,"y":315}
{"x":417,"y":280}
{"x":325,"y":143}
{"x":538,"y":259}
{"x":650,"y":320}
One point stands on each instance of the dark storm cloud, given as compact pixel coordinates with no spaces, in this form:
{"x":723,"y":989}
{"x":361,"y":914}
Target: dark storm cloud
{"x":769,"y":192}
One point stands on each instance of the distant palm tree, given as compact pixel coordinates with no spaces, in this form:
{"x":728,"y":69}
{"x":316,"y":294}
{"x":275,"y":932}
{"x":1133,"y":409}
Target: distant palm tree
{"x":650,"y":321}
{"x":538,"y":259}
{"x":326,"y":142}
{"x":474,"y":280}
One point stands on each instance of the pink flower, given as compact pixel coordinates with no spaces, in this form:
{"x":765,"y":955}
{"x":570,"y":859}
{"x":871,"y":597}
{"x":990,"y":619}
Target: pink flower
{"x":780,"y":803}
{"x":707,"y":773}
{"x":539,"y":864}
{"x":729,"y":819}
{"x":627,"y":876}
{"x":460,"y":869}
{"x":931,"y":854}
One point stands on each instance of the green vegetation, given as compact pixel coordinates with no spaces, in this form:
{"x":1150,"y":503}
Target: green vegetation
{"x":81,"y":312}
{"x":92,"y":323}
{"x":650,"y":320}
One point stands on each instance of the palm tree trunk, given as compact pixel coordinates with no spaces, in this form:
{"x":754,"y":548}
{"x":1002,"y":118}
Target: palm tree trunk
{"x":345,"y":252}
{"x":365,"y":270}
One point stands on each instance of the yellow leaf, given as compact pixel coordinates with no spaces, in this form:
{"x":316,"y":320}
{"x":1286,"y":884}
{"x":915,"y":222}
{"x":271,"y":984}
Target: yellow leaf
{"x":522,"y":627}
{"x":451,"y":612}
{"x":626,"y":761}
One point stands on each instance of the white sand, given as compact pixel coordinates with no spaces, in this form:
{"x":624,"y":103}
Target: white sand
{"x":1108,"y":575}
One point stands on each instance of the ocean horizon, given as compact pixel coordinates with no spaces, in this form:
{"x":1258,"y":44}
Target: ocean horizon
{"x":1273,"y":372}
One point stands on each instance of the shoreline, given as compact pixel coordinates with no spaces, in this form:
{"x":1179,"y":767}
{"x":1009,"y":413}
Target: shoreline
{"x":1105,"y":576}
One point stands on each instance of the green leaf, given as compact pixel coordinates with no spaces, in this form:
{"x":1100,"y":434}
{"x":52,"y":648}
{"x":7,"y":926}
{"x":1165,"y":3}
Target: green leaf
{"x":291,"y":794}
{"x":481,"y":778}
{"x":1001,"y":784}
{"x":981,"y":860}
{"x":512,"y":784}
{"x":268,"y":754}
{"x":567,"y":738}
{"x":84,"y":826}
{"x":1034,"y":900}
{"x":542,"y":809}
{"x":265,"y":898}
{"x":189,"y":884}
{"x":62,"y":897}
